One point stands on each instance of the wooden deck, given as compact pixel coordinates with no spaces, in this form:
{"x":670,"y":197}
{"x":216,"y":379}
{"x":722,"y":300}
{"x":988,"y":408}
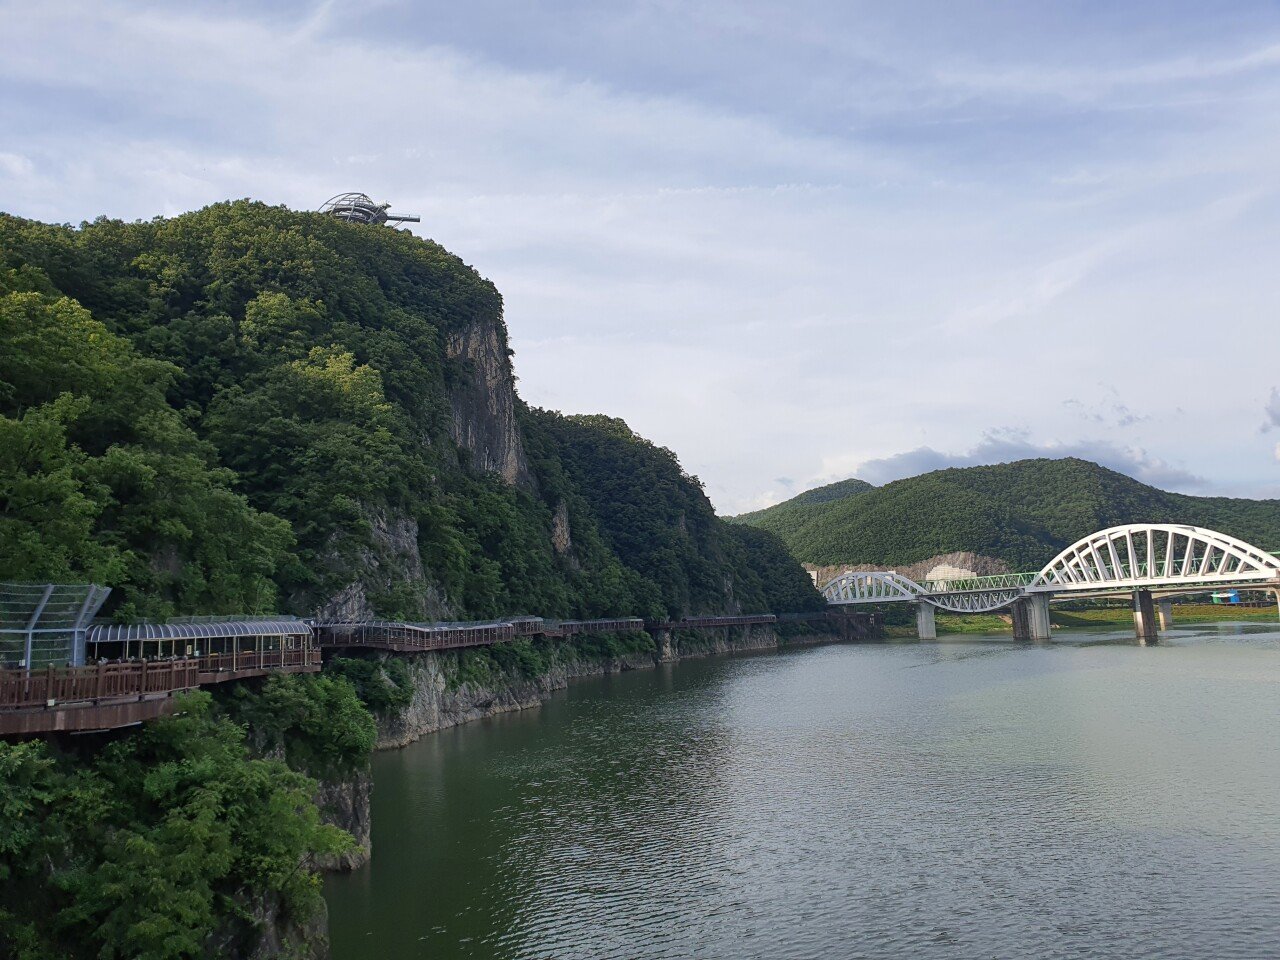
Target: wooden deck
{"x":108,"y":695}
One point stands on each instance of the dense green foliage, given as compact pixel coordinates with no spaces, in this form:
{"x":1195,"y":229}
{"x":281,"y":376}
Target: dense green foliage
{"x":159,"y":844}
{"x":383,"y":685}
{"x":319,"y":724}
{"x":840,"y":490}
{"x":1023,"y":513}
{"x":246,"y":407}
{"x":101,"y":479}
{"x":656,"y":516}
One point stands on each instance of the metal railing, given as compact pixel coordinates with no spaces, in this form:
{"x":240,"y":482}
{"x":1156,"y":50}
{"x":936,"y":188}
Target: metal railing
{"x":1000,"y":581}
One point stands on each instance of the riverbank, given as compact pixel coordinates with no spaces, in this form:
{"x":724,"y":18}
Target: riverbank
{"x":1119,"y":617}
{"x":456,"y":687}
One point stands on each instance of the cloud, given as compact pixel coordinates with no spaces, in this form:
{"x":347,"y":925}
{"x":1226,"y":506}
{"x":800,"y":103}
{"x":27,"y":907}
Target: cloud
{"x":1109,"y":411}
{"x":16,"y":165}
{"x":1007,"y":446}
{"x":782,"y":244}
{"x":1272,"y":411}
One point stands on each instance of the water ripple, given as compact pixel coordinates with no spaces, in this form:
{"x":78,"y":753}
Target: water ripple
{"x":938,"y":801}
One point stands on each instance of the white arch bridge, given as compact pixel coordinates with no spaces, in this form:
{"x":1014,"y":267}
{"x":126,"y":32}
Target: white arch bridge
{"x":1150,"y":561}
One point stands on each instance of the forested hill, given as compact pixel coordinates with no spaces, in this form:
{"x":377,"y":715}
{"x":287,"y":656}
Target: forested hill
{"x":840,"y":490}
{"x":1023,"y":513}
{"x":248,"y":409}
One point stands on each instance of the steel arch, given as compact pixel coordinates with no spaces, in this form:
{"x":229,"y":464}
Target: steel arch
{"x":1145,"y":555}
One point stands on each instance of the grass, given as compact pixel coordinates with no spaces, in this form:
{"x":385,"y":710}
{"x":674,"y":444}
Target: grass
{"x":1117,"y":616}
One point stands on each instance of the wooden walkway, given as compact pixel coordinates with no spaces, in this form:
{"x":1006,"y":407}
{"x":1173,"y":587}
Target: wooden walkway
{"x":108,"y":695}
{"x":118,"y":694}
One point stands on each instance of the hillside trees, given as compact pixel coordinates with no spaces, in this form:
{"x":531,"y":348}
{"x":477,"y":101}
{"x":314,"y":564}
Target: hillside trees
{"x":246,"y":408}
{"x":100,"y":478}
{"x":1023,"y":513}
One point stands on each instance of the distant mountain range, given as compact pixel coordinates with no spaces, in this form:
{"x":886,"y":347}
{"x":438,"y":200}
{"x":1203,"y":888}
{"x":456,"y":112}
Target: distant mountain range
{"x":1022,"y":513}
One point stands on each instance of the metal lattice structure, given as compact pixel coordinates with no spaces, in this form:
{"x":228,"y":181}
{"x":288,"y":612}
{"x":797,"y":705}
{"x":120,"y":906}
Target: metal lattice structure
{"x":967,"y":595}
{"x":871,"y":587}
{"x":44,"y":624}
{"x":360,"y":208}
{"x":1140,"y":556}
{"x":1153,"y":556}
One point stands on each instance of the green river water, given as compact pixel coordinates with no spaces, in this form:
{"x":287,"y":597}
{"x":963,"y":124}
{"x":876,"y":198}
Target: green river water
{"x":967,"y":798}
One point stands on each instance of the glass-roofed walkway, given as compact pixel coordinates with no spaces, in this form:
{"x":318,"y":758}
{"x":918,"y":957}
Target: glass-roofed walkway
{"x":62,"y":670}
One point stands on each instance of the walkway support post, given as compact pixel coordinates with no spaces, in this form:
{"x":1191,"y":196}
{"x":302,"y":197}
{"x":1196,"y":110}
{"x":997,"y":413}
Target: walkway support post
{"x":1164,"y":607}
{"x":926,"y":625}
{"x":1144,"y":617}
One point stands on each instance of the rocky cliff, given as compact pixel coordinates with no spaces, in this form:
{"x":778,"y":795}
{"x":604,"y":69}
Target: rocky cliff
{"x":346,"y":804}
{"x":482,"y":401}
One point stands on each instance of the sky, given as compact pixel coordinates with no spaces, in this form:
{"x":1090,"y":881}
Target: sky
{"x":792,"y":242}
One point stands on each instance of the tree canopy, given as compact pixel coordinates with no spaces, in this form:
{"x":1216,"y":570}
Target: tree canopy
{"x":248,"y":408}
{"x":1023,"y":513}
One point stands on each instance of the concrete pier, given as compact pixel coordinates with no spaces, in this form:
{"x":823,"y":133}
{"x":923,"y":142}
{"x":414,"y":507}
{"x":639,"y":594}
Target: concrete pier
{"x":926,"y":625}
{"x":1031,"y":618}
{"x":1144,"y":617}
{"x":1164,"y":610}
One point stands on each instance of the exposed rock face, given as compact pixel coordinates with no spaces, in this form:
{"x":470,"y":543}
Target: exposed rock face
{"x":271,"y":933}
{"x":436,"y":705}
{"x":560,"y":537}
{"x":390,"y":561}
{"x":345,"y":804}
{"x":483,"y":402}
{"x":963,"y":564}
{"x":709,"y":643}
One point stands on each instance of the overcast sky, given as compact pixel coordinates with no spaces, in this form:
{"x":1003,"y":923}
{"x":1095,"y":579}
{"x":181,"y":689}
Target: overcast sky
{"x":793,"y":242}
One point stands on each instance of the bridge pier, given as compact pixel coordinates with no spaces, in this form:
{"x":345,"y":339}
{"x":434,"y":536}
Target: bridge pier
{"x":1031,"y":618}
{"x":1144,"y":617}
{"x":1164,"y":611}
{"x":926,"y":623}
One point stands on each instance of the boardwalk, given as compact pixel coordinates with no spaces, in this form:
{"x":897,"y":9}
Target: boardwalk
{"x":141,"y":666}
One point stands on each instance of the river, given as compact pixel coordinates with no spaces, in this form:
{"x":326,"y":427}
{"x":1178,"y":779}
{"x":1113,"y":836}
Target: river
{"x":967,"y":798}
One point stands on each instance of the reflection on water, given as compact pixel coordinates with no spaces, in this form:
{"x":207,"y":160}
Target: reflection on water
{"x":966,"y":798}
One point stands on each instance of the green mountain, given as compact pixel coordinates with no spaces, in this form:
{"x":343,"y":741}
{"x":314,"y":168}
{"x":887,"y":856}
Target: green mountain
{"x":246,"y":409}
{"x":840,"y":490}
{"x":1023,"y":513}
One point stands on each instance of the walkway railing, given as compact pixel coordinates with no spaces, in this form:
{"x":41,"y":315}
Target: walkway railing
{"x":116,"y":693}
{"x":57,"y":686}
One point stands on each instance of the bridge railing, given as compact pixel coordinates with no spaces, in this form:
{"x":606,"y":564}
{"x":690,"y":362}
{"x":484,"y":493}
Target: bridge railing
{"x":1001,"y":581}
